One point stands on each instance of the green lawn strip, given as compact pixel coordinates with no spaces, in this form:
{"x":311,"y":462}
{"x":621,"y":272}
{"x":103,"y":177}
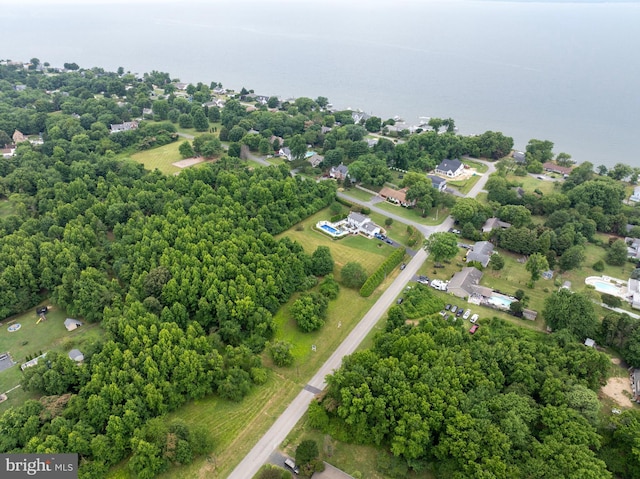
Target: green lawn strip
{"x":276,"y":160}
{"x":480,"y":167}
{"x":49,"y":335}
{"x":358,"y":194}
{"x":435,"y":216}
{"x":482,"y":197}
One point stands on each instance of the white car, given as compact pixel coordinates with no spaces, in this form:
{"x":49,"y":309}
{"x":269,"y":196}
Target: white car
{"x":474,"y":318}
{"x":466,"y":314}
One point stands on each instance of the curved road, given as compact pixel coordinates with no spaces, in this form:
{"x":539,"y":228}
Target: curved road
{"x":278,"y":432}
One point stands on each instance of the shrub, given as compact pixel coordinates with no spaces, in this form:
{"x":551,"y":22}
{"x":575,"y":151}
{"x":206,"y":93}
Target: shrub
{"x":365,"y":211}
{"x":353,"y":275}
{"x":611,"y":300}
{"x":306,"y":452}
{"x":281,"y":353}
{"x":496,"y":262}
{"x":385,"y":268}
{"x":329,"y":287}
{"x":598,"y":266}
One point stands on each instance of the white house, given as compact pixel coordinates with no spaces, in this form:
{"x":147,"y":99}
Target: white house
{"x":636,"y":194}
{"x":286,"y":153}
{"x":362,"y":224}
{"x":450,"y":168}
{"x":126,"y":126}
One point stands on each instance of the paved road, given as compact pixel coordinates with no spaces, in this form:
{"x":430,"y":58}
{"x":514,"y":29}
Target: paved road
{"x":277,"y":433}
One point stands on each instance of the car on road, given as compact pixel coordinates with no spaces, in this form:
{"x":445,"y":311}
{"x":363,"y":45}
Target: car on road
{"x":473,"y":329}
{"x":403,"y":266}
{"x":541,"y":177}
{"x":289,"y":464}
{"x":466,"y":314}
{"x":454,"y":308}
{"x":447,"y":307}
{"x":474,"y":318}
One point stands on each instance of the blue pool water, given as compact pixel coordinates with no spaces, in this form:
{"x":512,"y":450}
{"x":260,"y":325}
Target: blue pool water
{"x":329,"y":229}
{"x":605,"y":287}
{"x":500,"y":301}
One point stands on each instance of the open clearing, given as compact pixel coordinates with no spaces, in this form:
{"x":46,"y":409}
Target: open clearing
{"x":618,"y":389}
{"x":161,"y":158}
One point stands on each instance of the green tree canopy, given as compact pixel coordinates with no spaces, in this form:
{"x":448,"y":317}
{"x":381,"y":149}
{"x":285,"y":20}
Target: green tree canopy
{"x":442,"y":245}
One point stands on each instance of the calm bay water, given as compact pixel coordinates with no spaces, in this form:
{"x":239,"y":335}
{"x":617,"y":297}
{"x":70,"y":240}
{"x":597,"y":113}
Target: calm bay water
{"x":566,"y":72}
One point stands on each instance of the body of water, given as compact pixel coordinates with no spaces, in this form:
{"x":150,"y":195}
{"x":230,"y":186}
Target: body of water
{"x":565,"y":72}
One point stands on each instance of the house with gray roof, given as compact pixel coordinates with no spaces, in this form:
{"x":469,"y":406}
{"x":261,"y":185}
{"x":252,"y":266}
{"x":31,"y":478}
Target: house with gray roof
{"x":362,"y":224}
{"x":126,"y":126}
{"x":339,"y":172}
{"x":494,"y":224}
{"x":519,"y":157}
{"x":636,"y":195}
{"x":633,"y":248}
{"x":481,"y":253}
{"x":315,"y":160}
{"x":464,"y":283}
{"x":450,"y":168}
{"x":438,"y":183}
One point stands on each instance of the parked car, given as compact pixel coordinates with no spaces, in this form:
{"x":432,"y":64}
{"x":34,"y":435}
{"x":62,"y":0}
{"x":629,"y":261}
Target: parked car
{"x":460,"y":312}
{"x":466,"y":314}
{"x":399,"y":300}
{"x":454,"y":308}
{"x":423,"y":280}
{"x":474,"y":318}
{"x":447,"y":307}
{"x":389,"y":241}
{"x":473,"y":329}
{"x":403,"y":266}
{"x":289,"y":464}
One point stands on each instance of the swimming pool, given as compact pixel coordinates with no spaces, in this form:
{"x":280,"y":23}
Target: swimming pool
{"x":330,"y":230}
{"x":500,"y":301}
{"x":604,"y":287}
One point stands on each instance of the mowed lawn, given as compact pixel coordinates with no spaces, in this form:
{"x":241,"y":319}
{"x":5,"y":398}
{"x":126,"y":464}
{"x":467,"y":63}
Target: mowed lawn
{"x":31,"y":339}
{"x":160,"y":158}
{"x":6,"y":208}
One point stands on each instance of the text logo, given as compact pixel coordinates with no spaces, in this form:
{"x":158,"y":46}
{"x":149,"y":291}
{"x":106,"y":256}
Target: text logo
{"x":39,"y":466}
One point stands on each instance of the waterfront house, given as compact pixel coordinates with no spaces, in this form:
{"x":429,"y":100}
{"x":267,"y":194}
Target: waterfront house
{"x":438,"y":183}
{"x":553,"y":168}
{"x":450,"y":168}
{"x":636,"y":195}
{"x":519,"y":157}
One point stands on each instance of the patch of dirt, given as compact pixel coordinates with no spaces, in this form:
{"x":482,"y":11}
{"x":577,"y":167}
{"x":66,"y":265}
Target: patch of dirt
{"x":188,"y":162}
{"x":618,"y":389}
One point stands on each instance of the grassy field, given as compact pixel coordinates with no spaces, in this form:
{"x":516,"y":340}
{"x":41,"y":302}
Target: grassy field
{"x":480,"y":167}
{"x":358,"y":194}
{"x":6,"y":208}
{"x":415,"y":214}
{"x":160,"y":158}
{"x":464,"y":186}
{"x":530,"y":184}
{"x":30,"y":339}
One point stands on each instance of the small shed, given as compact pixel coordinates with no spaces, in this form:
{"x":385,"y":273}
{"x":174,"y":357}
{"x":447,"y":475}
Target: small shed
{"x":76,"y":355}
{"x":71,"y":324}
{"x":590,"y":343}
{"x":529,"y":314}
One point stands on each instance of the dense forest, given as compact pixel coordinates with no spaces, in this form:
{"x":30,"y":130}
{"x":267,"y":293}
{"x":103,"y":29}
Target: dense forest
{"x":503,"y":403}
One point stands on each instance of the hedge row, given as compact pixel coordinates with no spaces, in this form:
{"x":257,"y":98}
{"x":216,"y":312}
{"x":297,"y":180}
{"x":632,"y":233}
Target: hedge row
{"x":385,"y":268}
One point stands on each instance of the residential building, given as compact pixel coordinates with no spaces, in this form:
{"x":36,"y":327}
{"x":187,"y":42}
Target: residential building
{"x":18,"y":137}
{"x":126,"y":126}
{"x":635,"y":384}
{"x":9,"y":151}
{"x":371,"y":142}
{"x":494,"y":224}
{"x":464,"y":283}
{"x":398,"y":197}
{"x":362,"y":224}
{"x":450,"y":168}
{"x":438,"y":183}
{"x":286,"y":153}
{"x":633,"y":288}
{"x":481,"y":253}
{"x":359,"y":116}
{"x":553,"y":168}
{"x":636,"y":194}
{"x":339,"y":172}
{"x":519,"y":157}
{"x":633,"y":248}
{"x":315,"y":160}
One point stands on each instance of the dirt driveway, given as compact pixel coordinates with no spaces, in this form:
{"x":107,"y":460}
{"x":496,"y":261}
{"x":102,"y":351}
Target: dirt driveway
{"x":618,"y":389}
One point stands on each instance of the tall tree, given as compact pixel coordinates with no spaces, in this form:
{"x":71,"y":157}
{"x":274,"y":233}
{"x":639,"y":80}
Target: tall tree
{"x":442,"y":245}
{"x":536,"y":264}
{"x":571,"y":311}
